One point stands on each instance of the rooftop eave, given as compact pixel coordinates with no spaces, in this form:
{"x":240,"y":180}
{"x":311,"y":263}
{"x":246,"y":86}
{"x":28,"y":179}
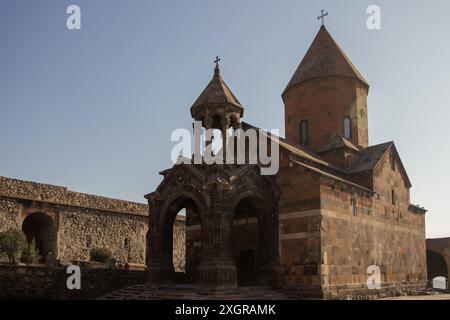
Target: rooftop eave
{"x":195,"y":109}
{"x":418,"y":209}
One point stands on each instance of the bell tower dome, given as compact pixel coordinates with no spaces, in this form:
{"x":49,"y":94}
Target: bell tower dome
{"x":217,"y":107}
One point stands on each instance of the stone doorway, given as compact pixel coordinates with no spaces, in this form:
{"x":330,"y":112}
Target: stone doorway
{"x":245,"y":237}
{"x":246,"y":268}
{"x":41,"y":228}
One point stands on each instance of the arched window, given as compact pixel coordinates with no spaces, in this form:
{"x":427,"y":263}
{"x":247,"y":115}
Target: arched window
{"x":353,"y":207}
{"x":304,"y":138}
{"x":347,"y":128}
{"x":392,"y":162}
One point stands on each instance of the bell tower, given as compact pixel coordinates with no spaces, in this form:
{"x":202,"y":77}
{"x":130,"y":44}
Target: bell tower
{"x":217,"y":107}
{"x":326,"y":97}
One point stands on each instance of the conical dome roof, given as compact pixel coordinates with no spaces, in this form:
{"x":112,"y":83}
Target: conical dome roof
{"x":216,"y":92}
{"x":324,"y":59}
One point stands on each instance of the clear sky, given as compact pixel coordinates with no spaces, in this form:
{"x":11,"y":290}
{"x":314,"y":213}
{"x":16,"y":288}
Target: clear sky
{"x":93,"y":109}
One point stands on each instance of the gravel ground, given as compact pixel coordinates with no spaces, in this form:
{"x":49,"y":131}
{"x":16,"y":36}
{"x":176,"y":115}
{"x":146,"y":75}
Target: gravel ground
{"x":427,"y":297}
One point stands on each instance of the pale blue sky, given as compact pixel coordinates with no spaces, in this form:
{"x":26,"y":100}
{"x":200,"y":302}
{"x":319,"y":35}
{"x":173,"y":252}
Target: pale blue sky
{"x":93,"y":109}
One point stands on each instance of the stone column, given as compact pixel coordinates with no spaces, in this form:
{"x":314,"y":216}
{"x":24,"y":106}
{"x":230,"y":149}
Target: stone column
{"x":269,"y":272}
{"x":225,"y":138}
{"x":217,"y":270}
{"x":208,"y":122}
{"x":160,"y":271}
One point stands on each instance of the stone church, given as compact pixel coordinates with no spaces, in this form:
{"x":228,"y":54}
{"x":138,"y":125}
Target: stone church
{"x":336,"y":207}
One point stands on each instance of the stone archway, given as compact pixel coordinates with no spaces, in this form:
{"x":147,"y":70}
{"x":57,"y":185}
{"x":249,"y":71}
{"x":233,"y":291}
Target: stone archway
{"x":436,"y":266}
{"x":216,"y":194}
{"x":161,"y":237}
{"x":255,"y":239}
{"x":438,"y":260}
{"x":42,"y":229}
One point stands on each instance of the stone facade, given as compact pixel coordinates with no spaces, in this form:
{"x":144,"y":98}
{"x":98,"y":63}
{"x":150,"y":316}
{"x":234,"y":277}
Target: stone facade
{"x":348,"y":208}
{"x":76,"y":222}
{"x":336,"y":207}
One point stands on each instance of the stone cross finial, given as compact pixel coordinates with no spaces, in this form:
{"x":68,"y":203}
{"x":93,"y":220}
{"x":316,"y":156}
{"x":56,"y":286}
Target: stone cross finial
{"x":216,"y":61}
{"x":322,"y":16}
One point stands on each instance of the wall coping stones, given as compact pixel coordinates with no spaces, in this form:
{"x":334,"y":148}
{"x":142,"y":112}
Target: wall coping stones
{"x":33,"y":191}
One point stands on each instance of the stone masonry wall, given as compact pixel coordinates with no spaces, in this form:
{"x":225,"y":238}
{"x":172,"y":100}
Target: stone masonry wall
{"x":299,"y":233}
{"x":9,"y":209}
{"x":85,"y":221}
{"x":324,"y":103}
{"x":378,"y":233}
{"x":179,"y":244}
{"x":83,"y":229}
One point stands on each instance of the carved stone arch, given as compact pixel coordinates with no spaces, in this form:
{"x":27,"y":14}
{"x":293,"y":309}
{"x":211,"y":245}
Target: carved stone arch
{"x":257,"y":198}
{"x":181,"y":176}
{"x":262,"y":187}
{"x":163,"y":213}
{"x":255,"y":193}
{"x":187,"y":192}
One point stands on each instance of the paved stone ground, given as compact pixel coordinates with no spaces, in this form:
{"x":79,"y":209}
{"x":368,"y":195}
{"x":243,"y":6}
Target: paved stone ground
{"x":187,"y":292}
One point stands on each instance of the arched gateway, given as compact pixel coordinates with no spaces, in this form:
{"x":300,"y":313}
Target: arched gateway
{"x":438,"y":261}
{"x":40,"y":228}
{"x":224,"y":204}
